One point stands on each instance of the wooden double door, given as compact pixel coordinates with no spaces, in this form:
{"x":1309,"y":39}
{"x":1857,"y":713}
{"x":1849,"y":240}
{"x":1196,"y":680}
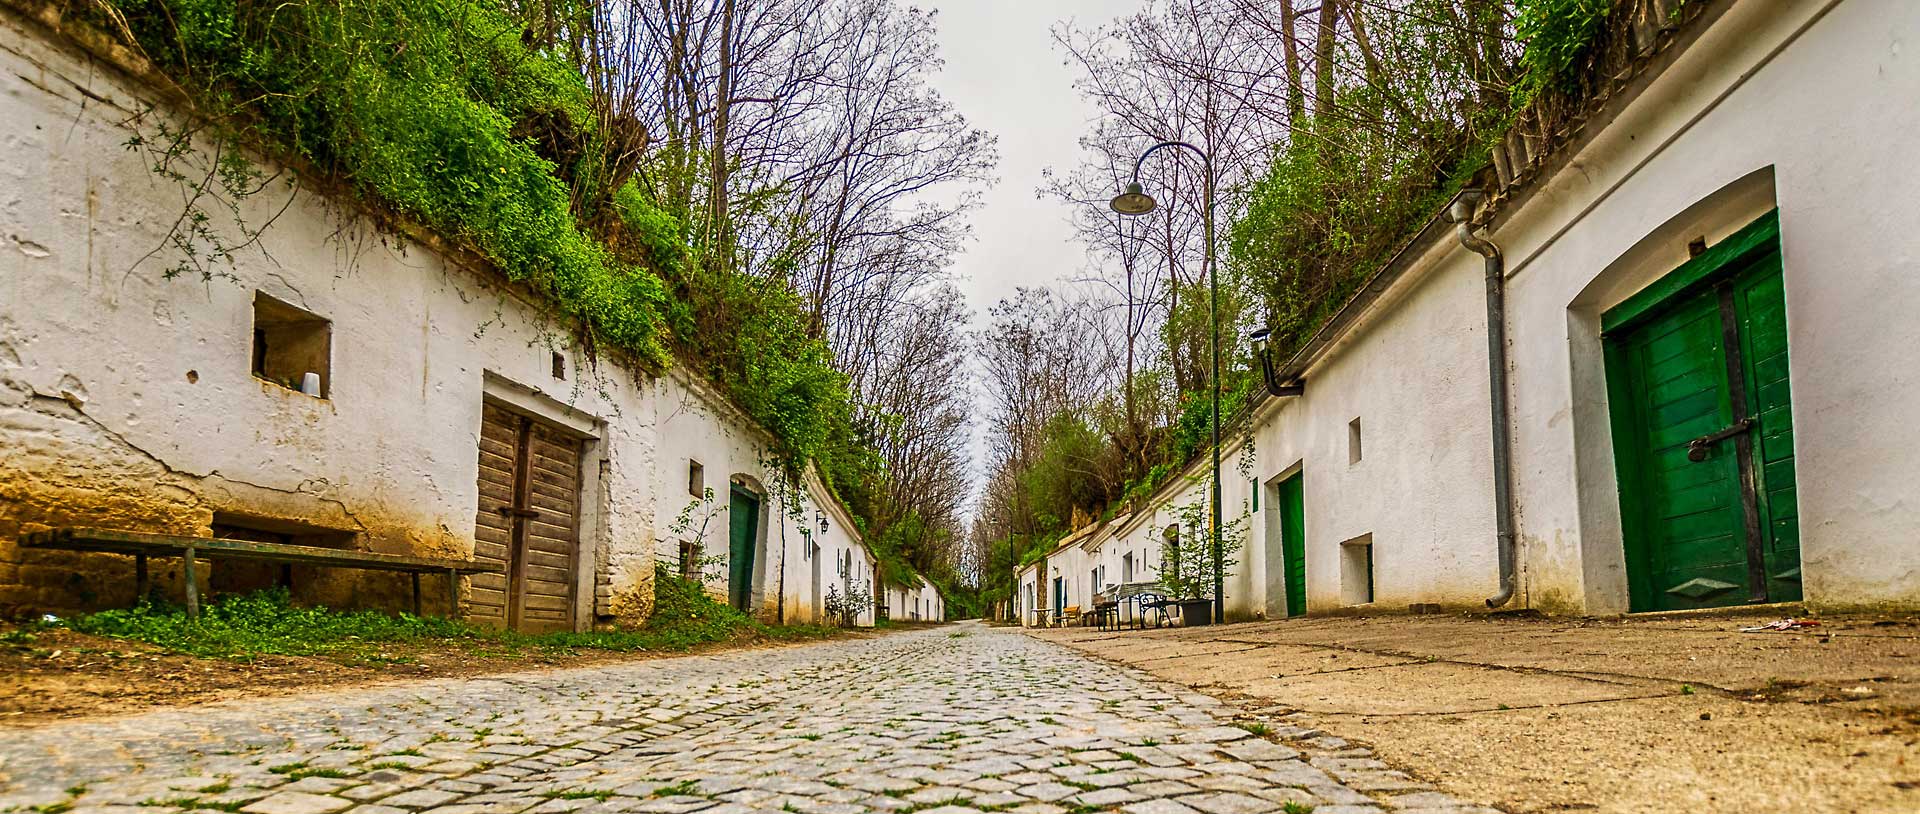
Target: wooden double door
{"x":528,"y":523}
{"x":1703,"y":431}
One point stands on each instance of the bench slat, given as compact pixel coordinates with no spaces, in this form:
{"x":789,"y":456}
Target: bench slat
{"x":133,"y":542}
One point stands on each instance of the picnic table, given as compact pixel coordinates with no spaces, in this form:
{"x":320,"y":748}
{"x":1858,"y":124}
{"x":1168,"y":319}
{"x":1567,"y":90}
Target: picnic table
{"x":142,"y":545}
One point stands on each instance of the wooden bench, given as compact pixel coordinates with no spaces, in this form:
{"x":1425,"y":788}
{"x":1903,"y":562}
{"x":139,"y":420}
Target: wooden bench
{"x":191,"y":549}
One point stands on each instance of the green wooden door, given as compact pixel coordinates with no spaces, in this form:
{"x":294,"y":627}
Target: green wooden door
{"x":1293,"y":543}
{"x":743,"y":521}
{"x":1698,"y":378}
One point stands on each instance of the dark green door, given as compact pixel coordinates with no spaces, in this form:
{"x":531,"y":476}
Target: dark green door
{"x":1697,"y":368}
{"x":1293,"y":543}
{"x":743,"y":520}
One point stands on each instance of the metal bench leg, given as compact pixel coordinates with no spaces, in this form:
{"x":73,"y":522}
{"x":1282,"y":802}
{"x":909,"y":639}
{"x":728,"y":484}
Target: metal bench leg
{"x":416,"y":592}
{"x":141,"y":585}
{"x":193,"y":586}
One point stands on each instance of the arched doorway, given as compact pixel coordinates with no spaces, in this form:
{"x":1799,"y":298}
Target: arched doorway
{"x":743,"y":536}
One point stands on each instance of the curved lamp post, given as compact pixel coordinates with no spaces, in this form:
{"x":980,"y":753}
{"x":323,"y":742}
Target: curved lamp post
{"x":1133,"y":202}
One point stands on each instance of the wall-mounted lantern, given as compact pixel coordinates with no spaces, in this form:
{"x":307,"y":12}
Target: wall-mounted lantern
{"x":820,"y":518}
{"x":1261,"y":347}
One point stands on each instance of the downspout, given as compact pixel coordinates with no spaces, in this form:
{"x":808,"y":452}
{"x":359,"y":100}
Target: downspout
{"x":1461,"y":213}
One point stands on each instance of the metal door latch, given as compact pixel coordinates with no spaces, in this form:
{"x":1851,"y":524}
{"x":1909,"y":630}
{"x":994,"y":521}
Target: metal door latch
{"x":513,"y":512}
{"x":1697,"y":448}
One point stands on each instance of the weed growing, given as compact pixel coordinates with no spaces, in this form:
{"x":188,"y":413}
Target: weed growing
{"x":246,"y":626}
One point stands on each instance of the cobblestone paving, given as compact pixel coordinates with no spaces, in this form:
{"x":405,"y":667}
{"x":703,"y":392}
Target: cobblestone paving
{"x":943,"y":721}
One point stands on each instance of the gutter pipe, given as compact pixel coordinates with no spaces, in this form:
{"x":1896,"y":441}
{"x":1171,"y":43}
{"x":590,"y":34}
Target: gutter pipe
{"x":1461,"y":213}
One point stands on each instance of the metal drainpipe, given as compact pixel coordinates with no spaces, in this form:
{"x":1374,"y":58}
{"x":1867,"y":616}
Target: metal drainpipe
{"x":1461,"y":213}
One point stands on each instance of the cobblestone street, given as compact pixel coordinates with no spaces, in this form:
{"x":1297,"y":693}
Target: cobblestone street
{"x":948,"y":720}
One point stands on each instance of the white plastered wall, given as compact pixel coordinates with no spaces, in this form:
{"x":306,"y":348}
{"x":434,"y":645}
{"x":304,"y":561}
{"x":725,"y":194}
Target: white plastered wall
{"x":1791,"y":103}
{"x":127,"y":399}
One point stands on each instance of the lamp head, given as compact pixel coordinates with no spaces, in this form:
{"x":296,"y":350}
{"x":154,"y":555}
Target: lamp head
{"x":1259,"y":341}
{"x":1133,"y":202}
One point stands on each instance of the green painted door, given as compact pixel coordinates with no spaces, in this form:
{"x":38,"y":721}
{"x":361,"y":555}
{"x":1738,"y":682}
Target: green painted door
{"x":743,"y":521}
{"x":1293,"y":543}
{"x":1703,"y":432}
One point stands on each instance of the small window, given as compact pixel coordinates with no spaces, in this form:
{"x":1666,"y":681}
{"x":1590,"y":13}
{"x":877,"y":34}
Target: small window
{"x":1353,"y":441}
{"x":559,"y":366}
{"x":689,"y":561}
{"x":1356,"y":570}
{"x":696,"y":479}
{"x":291,"y":347}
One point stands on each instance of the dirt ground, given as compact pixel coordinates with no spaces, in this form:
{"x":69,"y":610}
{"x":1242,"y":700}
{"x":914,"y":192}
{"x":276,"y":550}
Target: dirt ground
{"x":63,"y":675}
{"x":1551,"y":715}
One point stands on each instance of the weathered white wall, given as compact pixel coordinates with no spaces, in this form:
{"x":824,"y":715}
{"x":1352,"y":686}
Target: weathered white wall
{"x":1783,"y":103}
{"x":696,"y":423}
{"x":1414,"y":373}
{"x":1786,"y":102}
{"x":127,"y":401}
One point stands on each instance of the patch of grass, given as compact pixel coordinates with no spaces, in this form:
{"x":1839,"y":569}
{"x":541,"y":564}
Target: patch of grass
{"x":684,"y":788}
{"x":243,"y":627}
{"x":956,"y":800}
{"x":165,"y":802}
{"x":1128,"y":756}
{"x":216,"y":788}
{"x":600,"y":795}
{"x":1686,"y":689}
{"x":231,"y":806}
{"x":1049,"y":720}
{"x":287,"y":768}
{"x":391,"y":764}
{"x":1292,"y":807}
{"x":1081,"y":785}
{"x":1149,"y":742}
{"x":61,"y":807}
{"x":298,"y":774}
{"x":808,"y":737}
{"x":1255,"y":728}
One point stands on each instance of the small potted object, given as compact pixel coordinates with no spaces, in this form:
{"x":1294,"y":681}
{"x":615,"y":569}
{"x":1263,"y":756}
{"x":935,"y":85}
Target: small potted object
{"x":1187,"y":564}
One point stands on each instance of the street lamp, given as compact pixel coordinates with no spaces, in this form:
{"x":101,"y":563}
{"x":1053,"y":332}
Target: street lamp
{"x":1134,"y":202}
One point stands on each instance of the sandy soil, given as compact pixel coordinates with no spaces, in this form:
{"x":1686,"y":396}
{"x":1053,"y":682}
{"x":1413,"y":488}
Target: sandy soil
{"x":1544,"y":715}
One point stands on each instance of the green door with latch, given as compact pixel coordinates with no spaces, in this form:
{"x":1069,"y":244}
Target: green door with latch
{"x":1293,"y":543}
{"x":743,"y":525}
{"x":1703,"y":432}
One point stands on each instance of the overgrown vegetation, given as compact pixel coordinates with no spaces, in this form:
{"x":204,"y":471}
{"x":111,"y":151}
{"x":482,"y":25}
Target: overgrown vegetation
{"x":584,"y":149}
{"x":246,"y":626}
{"x":1334,"y":130}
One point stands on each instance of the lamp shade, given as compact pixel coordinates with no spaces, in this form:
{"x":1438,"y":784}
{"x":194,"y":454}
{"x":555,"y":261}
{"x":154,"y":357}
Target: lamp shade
{"x":1133,"y":201}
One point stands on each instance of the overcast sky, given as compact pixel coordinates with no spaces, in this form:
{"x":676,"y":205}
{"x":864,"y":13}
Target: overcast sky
{"x":1005,"y":76}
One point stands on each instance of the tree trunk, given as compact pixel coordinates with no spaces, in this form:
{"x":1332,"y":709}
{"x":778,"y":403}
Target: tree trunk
{"x":722,"y":104}
{"x":1325,"y":37}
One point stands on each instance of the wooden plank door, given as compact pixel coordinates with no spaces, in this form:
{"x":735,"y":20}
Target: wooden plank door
{"x":1293,"y":542}
{"x":527,"y":522}
{"x":743,"y":525}
{"x":1761,"y":308}
{"x":1704,"y":438}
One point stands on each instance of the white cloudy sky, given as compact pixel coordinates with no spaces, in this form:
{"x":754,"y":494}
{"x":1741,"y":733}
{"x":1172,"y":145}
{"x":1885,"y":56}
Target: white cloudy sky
{"x":1004,"y":75}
